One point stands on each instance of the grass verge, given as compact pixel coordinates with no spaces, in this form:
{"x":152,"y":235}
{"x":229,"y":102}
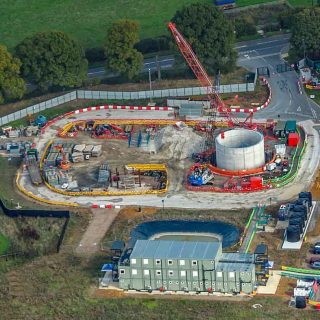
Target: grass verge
{"x":4,"y":244}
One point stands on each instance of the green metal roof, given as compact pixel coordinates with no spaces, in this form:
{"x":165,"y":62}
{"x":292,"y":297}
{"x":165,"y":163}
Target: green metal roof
{"x":162,"y":249}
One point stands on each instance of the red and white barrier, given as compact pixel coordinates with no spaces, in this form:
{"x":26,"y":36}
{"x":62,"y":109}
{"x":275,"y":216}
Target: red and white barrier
{"x":102,"y":206}
{"x":255,"y":109}
{"x":115,"y":107}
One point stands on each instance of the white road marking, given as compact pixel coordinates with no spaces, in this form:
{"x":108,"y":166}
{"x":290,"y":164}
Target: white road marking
{"x":299,"y":109}
{"x":314,"y":113}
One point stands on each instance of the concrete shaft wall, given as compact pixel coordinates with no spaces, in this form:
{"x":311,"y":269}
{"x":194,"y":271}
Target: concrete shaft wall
{"x":240,"y":149}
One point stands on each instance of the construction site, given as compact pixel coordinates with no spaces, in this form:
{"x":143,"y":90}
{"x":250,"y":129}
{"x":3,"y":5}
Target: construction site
{"x":131,"y":151}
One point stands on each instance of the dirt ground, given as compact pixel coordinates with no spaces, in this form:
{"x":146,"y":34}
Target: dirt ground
{"x":98,"y":226}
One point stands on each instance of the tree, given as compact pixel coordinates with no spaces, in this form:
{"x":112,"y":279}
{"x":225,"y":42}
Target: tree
{"x":12,"y":86}
{"x":210,"y":35}
{"x":305,"y":38}
{"x":119,"y":48}
{"x":52,"y":59}
{"x":245,"y":26}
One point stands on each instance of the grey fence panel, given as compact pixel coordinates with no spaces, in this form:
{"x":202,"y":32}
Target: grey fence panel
{"x":157,"y":93}
{"x":80,"y":94}
{"x":126,"y":95}
{"x":118,"y":95}
{"x":180,"y":92}
{"x":42,"y":106}
{"x":188,"y":91}
{"x":23,"y":113}
{"x":172,"y":92}
{"x":251,"y":86}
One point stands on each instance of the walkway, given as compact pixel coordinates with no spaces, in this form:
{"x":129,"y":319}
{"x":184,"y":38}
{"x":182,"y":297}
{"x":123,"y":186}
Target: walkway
{"x":99,"y":225}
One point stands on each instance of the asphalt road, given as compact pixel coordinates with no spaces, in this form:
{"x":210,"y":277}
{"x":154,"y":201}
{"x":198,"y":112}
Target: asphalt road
{"x":165,"y":62}
{"x":287,"y":102}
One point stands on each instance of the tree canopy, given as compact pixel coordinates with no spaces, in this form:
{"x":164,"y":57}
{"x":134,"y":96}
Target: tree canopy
{"x":119,"y":48}
{"x":210,"y":35}
{"x":52,"y":59}
{"x":12,"y":86}
{"x":306,"y":33}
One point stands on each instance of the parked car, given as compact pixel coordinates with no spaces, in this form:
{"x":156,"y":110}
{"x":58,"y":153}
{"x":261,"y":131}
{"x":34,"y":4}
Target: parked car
{"x":316,"y":248}
{"x":315,"y":265}
{"x":314,"y":259}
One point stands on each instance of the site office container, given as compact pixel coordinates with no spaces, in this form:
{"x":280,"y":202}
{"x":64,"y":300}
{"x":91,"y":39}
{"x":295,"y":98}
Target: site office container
{"x":291,"y":126}
{"x":293,"y":139}
{"x":247,"y":287}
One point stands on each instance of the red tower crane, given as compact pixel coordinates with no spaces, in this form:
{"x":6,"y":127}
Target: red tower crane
{"x":216,"y":103}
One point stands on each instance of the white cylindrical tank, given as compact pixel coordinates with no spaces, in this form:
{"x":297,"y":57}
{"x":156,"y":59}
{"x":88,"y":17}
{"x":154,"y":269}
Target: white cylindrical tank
{"x":240,"y":149}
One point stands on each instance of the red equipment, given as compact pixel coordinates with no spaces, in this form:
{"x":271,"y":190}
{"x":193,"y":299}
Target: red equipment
{"x":216,"y":103}
{"x":293,"y":139}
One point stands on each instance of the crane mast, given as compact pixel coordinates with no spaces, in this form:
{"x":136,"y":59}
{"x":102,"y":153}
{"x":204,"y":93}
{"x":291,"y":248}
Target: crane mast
{"x":216,"y":103}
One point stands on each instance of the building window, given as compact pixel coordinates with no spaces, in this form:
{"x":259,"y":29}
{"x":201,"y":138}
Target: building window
{"x":134,"y":272}
{"x":231,"y":274}
{"x":182,"y":262}
{"x":183,"y":273}
{"x":133,"y":261}
{"x":170,"y":273}
{"x":219,"y":274}
{"x":194,"y":262}
{"x":146,"y":272}
{"x":158,"y":261}
{"x":122,"y":271}
{"x":194,"y":273}
{"x":145,"y":261}
{"x":158,"y":272}
{"x":170,"y":262}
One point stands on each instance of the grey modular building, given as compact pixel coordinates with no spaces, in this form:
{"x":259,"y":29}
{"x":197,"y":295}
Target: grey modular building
{"x":185,"y":266}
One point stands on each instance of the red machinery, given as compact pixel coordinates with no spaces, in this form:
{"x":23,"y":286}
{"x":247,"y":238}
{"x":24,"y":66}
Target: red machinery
{"x":216,"y":103}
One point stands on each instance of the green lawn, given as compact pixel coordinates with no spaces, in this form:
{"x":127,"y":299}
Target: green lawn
{"x":4,"y":244}
{"x":86,"y":20}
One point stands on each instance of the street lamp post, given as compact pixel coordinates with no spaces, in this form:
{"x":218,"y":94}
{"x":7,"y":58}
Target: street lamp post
{"x":162,"y":205}
{"x":150,"y":84}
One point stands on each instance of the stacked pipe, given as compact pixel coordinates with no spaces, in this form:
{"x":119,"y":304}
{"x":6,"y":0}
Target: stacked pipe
{"x":298,"y":215}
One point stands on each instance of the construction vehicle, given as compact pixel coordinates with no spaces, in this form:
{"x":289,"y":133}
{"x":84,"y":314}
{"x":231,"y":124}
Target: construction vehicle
{"x":40,"y":121}
{"x":217,"y":106}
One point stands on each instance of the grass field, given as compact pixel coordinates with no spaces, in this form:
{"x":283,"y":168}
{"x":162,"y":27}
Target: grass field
{"x":88,"y":21}
{"x":85,"y":20}
{"x":63,"y":287}
{"x":4,"y":244}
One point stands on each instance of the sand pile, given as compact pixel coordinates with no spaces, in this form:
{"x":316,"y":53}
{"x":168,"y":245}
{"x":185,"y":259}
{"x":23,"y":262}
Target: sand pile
{"x":178,"y":144}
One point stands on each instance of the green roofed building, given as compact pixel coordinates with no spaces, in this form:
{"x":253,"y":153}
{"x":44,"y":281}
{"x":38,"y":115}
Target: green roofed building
{"x":185,"y":266}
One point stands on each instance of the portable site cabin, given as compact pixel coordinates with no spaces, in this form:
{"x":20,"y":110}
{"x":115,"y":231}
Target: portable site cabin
{"x":291,"y":127}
